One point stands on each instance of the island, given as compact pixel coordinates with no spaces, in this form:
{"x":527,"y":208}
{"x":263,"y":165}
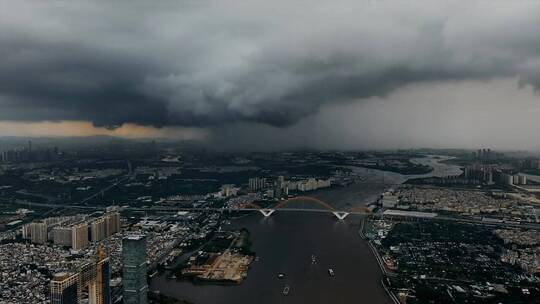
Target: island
{"x":225,"y":259}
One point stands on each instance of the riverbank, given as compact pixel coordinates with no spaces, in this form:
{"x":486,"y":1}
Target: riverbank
{"x":382,"y":266}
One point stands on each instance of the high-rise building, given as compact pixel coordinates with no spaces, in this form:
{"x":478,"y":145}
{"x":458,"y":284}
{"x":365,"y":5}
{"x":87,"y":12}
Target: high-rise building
{"x":78,"y":232}
{"x":507,"y":179}
{"x":79,"y":236}
{"x":112,"y":222}
{"x":65,"y":288}
{"x":37,"y":232}
{"x":280,"y":181}
{"x":62,"y":236}
{"x":277,"y":192}
{"x":134,"y":276}
{"x":94,"y":275}
{"x":99,"y":289}
{"x":98,"y":230}
{"x":257,"y":183}
{"x":26,"y":233}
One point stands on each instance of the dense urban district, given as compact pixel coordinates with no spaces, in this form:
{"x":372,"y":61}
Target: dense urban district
{"x":93,"y":222}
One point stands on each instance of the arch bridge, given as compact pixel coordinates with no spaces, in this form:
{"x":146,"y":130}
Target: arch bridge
{"x":286,"y":206}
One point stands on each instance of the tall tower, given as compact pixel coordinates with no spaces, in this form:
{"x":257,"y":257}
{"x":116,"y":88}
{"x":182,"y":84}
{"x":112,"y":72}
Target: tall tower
{"x":79,"y":235}
{"x":65,"y":288}
{"x":38,"y":232}
{"x":112,"y":222}
{"x":98,"y":230}
{"x":99,"y":290}
{"x":134,"y":276}
{"x":68,"y":288}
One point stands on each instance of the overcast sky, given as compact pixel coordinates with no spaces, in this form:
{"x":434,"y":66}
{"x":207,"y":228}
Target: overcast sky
{"x":275,"y":74}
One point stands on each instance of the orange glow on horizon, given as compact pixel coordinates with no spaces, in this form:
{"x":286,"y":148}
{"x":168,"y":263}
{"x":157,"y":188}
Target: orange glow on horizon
{"x":83,"y":128}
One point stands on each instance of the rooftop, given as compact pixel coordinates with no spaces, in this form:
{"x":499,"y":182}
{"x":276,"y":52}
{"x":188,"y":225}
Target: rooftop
{"x":134,"y":236}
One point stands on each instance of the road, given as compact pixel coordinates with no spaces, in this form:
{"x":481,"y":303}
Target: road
{"x":105,"y":189}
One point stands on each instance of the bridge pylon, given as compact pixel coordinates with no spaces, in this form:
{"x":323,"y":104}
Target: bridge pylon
{"x":341,"y":215}
{"x":267,"y":212}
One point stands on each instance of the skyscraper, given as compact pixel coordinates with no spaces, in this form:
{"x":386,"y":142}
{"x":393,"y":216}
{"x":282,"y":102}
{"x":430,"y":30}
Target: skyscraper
{"x":79,"y":236}
{"x":38,"y":232}
{"x":279,"y":186}
{"x":134,"y":276}
{"x":98,"y":230}
{"x":257,"y":183}
{"x":62,"y":236}
{"x":112,"y":220}
{"x":65,"y":288}
{"x":100,"y":289}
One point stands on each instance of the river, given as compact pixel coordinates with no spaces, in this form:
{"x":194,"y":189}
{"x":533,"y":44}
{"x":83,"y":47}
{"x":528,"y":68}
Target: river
{"x":284,"y":242}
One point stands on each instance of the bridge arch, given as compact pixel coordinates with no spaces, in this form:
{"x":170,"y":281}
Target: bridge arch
{"x":310,"y":199}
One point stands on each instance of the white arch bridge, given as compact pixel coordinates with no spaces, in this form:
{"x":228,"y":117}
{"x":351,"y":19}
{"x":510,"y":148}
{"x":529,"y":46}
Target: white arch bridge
{"x":283,"y":206}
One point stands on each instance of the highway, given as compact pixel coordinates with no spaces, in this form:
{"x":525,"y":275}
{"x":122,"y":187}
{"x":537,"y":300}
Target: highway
{"x":105,"y":189}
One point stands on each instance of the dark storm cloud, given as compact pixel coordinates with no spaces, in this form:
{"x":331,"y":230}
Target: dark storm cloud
{"x":43,"y":80}
{"x":208,"y":63}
